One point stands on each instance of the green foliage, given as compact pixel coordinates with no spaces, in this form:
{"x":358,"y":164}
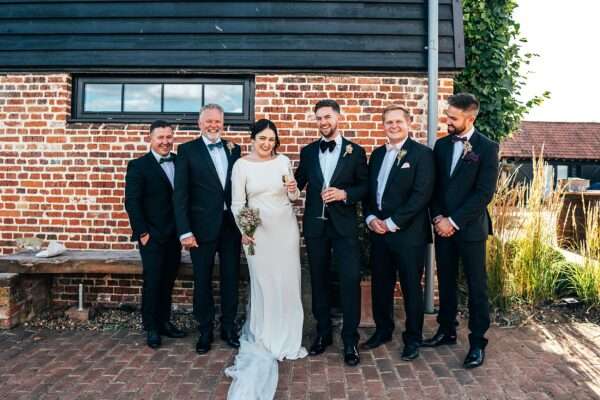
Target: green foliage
{"x":494,"y":61}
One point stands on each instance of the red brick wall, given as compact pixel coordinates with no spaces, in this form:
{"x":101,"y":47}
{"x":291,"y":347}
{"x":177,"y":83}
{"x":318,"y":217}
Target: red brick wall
{"x":112,"y":290}
{"x":65,"y":181}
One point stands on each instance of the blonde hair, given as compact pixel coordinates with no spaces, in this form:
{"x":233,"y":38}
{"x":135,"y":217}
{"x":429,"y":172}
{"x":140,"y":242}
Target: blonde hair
{"x":395,"y":107}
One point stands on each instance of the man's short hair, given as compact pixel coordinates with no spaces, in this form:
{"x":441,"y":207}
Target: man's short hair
{"x":395,"y":107}
{"x":328,"y":103}
{"x":465,"y":102}
{"x":159,"y":123}
{"x":211,"y":106}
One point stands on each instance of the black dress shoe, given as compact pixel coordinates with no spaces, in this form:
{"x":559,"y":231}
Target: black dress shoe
{"x":231,"y":338}
{"x":474,"y":358}
{"x":410,"y":352}
{"x":170,"y":330}
{"x":376,"y":340}
{"x":204,"y":343}
{"x":320,"y":344}
{"x":439,"y":339}
{"x":351,"y":357}
{"x":153,"y":339}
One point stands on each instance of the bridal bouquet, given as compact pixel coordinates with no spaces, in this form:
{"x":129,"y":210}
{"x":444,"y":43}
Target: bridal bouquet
{"x":249,"y":220}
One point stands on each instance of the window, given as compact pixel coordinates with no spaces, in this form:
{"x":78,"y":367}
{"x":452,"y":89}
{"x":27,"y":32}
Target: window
{"x":139,"y":99}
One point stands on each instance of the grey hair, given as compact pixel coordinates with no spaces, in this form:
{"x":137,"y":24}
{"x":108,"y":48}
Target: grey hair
{"x":211,"y":106}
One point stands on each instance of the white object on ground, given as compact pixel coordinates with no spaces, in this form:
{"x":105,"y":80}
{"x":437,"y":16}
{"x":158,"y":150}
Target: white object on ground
{"x":54,"y":249}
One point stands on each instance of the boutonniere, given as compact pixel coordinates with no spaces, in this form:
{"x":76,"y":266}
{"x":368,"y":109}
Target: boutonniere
{"x":349,"y":150}
{"x":400,"y":156}
{"x":468,"y":154}
{"x":230,"y":146}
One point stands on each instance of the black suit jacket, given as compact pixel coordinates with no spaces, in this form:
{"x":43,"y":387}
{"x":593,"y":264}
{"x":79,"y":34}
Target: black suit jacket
{"x":407,"y":193}
{"x":148,"y":199}
{"x":350,"y":174}
{"x":465,"y":194}
{"x":199,"y":195}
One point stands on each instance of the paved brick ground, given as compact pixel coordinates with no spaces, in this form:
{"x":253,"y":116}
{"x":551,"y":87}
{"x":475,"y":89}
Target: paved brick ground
{"x":534,"y":362}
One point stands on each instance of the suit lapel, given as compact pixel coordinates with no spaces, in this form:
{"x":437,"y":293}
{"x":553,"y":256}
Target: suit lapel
{"x":340,"y":162}
{"x":229,"y":154}
{"x":155,"y":166}
{"x":397,"y":164}
{"x":204,"y":152}
{"x":317,"y":162}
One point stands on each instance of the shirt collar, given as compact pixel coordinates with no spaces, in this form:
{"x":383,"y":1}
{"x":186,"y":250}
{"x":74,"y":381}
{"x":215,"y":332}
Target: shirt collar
{"x":468,"y":134}
{"x":207,"y":141}
{"x":157,"y":156}
{"x":396,"y":146}
{"x":338,"y":140}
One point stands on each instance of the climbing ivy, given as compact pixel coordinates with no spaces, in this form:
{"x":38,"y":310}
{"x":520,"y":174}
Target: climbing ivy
{"x":494,"y":66}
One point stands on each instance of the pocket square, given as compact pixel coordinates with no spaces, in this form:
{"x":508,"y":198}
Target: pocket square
{"x":405,"y":165}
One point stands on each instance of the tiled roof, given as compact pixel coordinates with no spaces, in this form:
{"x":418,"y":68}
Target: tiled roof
{"x":561,"y":140}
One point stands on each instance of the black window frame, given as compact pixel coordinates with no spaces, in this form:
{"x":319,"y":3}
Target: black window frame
{"x":78,"y":115}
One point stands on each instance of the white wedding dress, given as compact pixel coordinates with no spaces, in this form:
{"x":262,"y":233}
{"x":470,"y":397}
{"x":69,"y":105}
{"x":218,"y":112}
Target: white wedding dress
{"x":273,"y":328}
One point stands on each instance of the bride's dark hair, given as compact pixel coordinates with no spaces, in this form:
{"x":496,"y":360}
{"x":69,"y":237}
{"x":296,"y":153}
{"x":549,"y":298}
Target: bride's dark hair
{"x":260,"y":126}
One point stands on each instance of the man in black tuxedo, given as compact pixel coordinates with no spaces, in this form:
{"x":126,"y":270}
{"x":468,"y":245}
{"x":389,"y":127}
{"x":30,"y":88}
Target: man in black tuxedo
{"x":334,"y":171}
{"x":148,"y":201}
{"x":466,"y":171}
{"x":401,"y":180}
{"x":206,"y":225}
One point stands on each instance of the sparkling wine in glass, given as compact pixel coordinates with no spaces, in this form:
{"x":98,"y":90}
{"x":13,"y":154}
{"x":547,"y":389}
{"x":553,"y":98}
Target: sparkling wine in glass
{"x":322,"y":216}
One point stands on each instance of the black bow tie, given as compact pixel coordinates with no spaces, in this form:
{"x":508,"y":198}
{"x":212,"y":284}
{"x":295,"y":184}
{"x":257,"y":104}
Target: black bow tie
{"x":218,"y":145}
{"x":171,"y":158}
{"x":324,"y":145}
{"x":458,"y":139}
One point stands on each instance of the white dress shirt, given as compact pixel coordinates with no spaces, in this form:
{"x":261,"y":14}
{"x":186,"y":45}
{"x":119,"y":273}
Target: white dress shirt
{"x":219,"y":159}
{"x":168,"y":167}
{"x":328,"y":159}
{"x":389,"y":159}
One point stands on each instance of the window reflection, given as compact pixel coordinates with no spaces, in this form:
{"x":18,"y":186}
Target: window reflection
{"x":102,"y":97}
{"x":142,"y":97}
{"x":182,"y":97}
{"x":230,"y":97}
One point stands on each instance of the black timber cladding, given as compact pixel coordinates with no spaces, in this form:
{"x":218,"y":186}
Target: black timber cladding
{"x":226,"y":35}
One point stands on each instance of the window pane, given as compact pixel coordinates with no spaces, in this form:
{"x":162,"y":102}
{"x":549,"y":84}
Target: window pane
{"x":142,"y":97}
{"x":102,"y":97}
{"x":230,"y":97}
{"x":183,"y":98}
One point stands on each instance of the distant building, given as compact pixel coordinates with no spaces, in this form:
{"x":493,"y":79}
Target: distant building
{"x":571,"y":149}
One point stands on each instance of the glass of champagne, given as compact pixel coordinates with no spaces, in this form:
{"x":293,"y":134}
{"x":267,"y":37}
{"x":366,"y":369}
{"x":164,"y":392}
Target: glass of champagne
{"x":288,"y":177}
{"x":324,"y":188}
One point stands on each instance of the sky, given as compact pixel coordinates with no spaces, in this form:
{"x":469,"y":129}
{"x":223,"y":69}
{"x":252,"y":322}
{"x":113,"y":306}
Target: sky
{"x":566,"y":35}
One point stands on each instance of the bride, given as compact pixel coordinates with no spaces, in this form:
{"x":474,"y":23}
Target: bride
{"x":273,"y":329}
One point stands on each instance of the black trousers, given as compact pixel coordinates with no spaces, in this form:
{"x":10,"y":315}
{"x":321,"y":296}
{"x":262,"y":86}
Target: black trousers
{"x":389,"y":261}
{"x":448,"y":251}
{"x":346,"y":253}
{"x":228,"y":245}
{"x":160,"y":263}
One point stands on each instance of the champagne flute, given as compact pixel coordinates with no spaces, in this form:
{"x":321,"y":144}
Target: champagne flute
{"x":287,"y":177}
{"x":324,"y":188}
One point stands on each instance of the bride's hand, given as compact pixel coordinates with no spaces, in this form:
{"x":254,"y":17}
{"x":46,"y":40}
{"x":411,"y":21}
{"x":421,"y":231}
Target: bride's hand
{"x":291,"y":186}
{"x":246,"y":240}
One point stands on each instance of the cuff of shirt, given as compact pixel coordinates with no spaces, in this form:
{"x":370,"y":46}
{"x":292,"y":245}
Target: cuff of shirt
{"x":453,"y":224}
{"x":186,"y":235}
{"x":369,"y":219}
{"x":391,"y":225}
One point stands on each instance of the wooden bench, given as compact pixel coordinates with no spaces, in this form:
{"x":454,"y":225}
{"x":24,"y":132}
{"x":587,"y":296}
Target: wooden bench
{"x":26,"y":281}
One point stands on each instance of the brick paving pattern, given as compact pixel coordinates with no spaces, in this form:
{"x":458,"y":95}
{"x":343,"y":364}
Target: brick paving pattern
{"x":532,"y":362}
